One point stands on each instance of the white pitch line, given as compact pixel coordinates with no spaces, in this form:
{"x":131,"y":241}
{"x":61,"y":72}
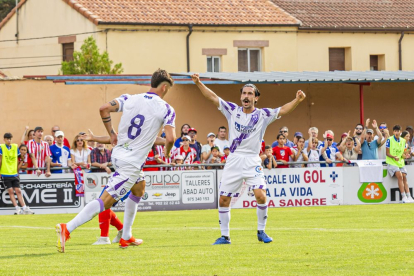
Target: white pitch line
{"x":233,"y":229}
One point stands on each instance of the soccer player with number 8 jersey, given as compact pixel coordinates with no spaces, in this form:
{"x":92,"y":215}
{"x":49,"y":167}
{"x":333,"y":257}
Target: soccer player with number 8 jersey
{"x":143,"y":117}
{"x":247,"y":126}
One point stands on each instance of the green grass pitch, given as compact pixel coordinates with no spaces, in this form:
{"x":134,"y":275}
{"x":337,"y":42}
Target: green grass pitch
{"x":337,"y":240}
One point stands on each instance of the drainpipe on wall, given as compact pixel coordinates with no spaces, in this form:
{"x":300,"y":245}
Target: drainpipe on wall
{"x":17,"y":23}
{"x":190,"y":30}
{"x":400,"y":51}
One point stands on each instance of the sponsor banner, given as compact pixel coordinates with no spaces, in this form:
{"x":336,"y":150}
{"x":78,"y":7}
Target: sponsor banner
{"x":56,"y":194}
{"x":385,"y":191}
{"x":165,"y":190}
{"x":297,"y":187}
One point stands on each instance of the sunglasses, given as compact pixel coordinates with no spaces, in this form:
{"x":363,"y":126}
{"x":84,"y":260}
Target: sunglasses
{"x":359,"y":128}
{"x":54,"y":130}
{"x":79,"y":140}
{"x":284,"y":131}
{"x":382,"y":127}
{"x":315,"y":143}
{"x":329,"y":139}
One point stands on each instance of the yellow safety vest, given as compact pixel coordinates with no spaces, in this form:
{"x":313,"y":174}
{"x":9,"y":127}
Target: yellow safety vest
{"x":8,"y":160}
{"x":396,"y":149}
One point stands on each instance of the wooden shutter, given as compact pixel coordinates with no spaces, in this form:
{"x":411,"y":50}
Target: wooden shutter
{"x":242,"y":61}
{"x":336,"y":59}
{"x":373,"y":63}
{"x":68,"y":49}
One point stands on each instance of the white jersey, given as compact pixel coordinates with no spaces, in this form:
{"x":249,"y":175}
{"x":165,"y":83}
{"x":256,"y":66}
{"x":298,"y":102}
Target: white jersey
{"x":143,"y":117}
{"x":246,"y":131}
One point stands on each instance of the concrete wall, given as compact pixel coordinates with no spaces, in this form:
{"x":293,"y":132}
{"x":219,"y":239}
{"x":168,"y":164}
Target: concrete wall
{"x":75,"y":108}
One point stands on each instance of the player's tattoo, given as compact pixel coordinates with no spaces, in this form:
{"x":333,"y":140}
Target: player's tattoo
{"x":112,"y":131}
{"x":106,"y":118}
{"x":113,"y":103}
{"x":106,"y":121}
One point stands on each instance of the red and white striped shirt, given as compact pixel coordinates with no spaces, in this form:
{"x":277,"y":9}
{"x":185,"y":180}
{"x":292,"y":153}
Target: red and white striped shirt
{"x":40,"y":151}
{"x":190,"y":153}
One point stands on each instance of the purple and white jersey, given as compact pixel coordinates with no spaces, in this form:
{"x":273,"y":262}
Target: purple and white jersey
{"x":246,"y":131}
{"x":143,"y":117}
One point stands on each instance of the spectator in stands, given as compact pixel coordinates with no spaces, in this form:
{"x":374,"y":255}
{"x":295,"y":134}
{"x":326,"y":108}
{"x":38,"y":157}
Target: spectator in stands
{"x":101,"y":158}
{"x":329,"y":151}
{"x":60,"y":154}
{"x":27,"y":135}
{"x":80,"y":153}
{"x":313,"y":150}
{"x":410,"y":130}
{"x":299,"y":152}
{"x":192,"y":132}
{"x":65,"y":141}
{"x":25,"y":162}
{"x":270,"y":161}
{"x":285,"y":131}
{"x":359,"y":128}
{"x":385,"y":134}
{"x":282,"y":152}
{"x":215,"y":158}
{"x":9,"y":173}
{"x":370,"y":146}
{"x":221,"y":139}
{"x":189,"y":154}
{"x":395,"y":147}
{"x":184,"y":131}
{"x":49,"y":139}
{"x":314,"y":131}
{"x":153,"y":158}
{"x":206,"y":149}
{"x":296,"y":138}
{"x":349,"y":150}
{"x":39,"y":152}
{"x":226,"y":154}
{"x":178,"y":160}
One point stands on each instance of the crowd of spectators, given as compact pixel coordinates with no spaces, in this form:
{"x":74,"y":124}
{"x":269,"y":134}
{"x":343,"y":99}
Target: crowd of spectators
{"x":312,"y":150}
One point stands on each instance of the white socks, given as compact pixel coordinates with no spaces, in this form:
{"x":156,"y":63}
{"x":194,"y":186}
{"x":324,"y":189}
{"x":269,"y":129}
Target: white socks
{"x":224,"y":220}
{"x":131,"y":205}
{"x":261,"y":216}
{"x":89,"y":212}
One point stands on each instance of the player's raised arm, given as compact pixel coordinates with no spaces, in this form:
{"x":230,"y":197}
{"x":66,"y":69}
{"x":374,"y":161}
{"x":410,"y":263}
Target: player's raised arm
{"x":105,"y":112}
{"x":208,"y":93}
{"x":169,"y":138}
{"x":289,"y":107}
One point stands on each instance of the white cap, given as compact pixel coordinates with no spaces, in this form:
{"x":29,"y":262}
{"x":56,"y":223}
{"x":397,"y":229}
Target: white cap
{"x":59,"y":133}
{"x":211,"y":134}
{"x":188,"y":137}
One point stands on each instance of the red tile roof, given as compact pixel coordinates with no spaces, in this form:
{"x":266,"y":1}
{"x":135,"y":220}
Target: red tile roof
{"x":351,"y":13}
{"x":196,"y":12}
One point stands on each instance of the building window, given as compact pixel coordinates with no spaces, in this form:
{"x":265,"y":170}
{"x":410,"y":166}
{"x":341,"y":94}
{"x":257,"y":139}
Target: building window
{"x":376,"y":62}
{"x":67,"y":50}
{"x":249,"y":60}
{"x":213,"y":63}
{"x":337,"y":59}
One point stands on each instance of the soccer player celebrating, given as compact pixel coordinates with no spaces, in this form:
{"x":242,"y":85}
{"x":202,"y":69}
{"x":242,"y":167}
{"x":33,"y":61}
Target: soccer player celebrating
{"x":247,"y":126}
{"x":143,"y":117}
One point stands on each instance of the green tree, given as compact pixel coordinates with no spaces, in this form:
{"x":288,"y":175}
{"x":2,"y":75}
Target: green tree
{"x":5,"y":7}
{"x":89,"y":61}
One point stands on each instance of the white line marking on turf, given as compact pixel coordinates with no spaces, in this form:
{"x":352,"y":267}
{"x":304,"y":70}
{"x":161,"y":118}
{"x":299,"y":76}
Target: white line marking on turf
{"x":181,"y":228}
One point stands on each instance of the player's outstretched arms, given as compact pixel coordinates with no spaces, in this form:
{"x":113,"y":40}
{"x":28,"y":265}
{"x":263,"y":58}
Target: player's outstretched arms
{"x":208,"y":93}
{"x":289,"y":107}
{"x":105,"y":112}
{"x":169,"y":139}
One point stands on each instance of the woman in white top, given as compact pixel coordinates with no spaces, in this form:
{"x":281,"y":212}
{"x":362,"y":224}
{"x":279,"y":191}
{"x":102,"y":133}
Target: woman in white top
{"x":313,"y":152}
{"x":349,"y":150}
{"x":80,"y":153}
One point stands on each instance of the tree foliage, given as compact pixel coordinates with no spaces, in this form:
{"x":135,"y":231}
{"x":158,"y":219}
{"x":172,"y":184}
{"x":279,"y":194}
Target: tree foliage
{"x":5,"y":7}
{"x":90,"y":61}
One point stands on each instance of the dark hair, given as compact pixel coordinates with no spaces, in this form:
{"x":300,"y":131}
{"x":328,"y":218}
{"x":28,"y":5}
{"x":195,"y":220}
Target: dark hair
{"x":222,"y":127}
{"x":268,"y":147}
{"x":404,"y":133}
{"x":280,"y":135}
{"x":28,"y":133}
{"x":300,"y":137}
{"x":160,"y":76}
{"x":182,"y":133}
{"x":23,"y":146}
{"x":256,"y":91}
{"x":8,"y":135}
{"x":396,"y":127}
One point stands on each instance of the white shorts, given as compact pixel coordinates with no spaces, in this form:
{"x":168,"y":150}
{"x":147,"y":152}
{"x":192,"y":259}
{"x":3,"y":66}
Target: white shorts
{"x":124,"y":177}
{"x":393,"y":169}
{"x":239,"y":168}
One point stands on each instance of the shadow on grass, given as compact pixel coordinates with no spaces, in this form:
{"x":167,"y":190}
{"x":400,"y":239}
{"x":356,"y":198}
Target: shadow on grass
{"x":25,"y":256}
